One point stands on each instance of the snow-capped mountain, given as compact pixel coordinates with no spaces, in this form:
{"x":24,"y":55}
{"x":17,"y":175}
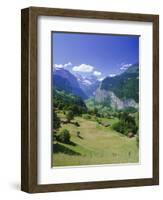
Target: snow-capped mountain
{"x":88,"y":84}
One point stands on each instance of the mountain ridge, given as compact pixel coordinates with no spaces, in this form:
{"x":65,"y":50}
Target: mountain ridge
{"x":121,"y":91}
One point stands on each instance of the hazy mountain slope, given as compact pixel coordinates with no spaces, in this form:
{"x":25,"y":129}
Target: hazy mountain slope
{"x":64,"y":80}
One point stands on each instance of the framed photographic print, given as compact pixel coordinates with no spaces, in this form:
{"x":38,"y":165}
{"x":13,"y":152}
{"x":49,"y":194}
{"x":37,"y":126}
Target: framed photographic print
{"x":90,"y":99}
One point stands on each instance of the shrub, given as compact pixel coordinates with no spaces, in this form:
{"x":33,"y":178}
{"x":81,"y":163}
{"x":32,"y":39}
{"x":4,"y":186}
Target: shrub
{"x":119,"y":127}
{"x":86,"y":116}
{"x":69,"y":116}
{"x":126,"y":124}
{"x":75,"y":109}
{"x":64,"y":136}
{"x":56,"y":121}
{"x":137,"y":140}
{"x":77,"y":124}
{"x":98,"y":121}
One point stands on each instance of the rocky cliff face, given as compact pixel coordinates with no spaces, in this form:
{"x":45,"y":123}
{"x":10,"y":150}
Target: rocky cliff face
{"x":121,"y":91}
{"x":103,"y":96}
{"x":124,"y":85}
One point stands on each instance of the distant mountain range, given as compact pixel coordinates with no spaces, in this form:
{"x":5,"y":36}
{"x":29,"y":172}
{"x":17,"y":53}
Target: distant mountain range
{"x":88,"y":84}
{"x":78,"y":85}
{"x":119,"y":92}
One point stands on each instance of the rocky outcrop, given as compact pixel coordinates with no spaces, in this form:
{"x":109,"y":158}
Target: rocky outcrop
{"x":103,"y":96}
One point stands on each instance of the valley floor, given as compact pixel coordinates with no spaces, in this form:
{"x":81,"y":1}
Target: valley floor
{"x":96,"y":144}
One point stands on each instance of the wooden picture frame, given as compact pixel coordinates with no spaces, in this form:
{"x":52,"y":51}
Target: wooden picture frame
{"x":29,"y":97}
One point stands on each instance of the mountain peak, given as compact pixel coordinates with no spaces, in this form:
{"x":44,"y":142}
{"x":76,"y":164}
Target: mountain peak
{"x":133,"y":69}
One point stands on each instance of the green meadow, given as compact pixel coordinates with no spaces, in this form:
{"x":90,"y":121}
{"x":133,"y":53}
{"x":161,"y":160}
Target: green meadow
{"x":93,"y":143}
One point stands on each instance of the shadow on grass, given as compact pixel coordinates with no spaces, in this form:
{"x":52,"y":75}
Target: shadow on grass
{"x":72,"y":143}
{"x":59,"y":148}
{"x":70,"y":122}
{"x":80,"y":137}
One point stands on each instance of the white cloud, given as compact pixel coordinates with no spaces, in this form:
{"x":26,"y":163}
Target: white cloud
{"x":112,"y":75}
{"x":67,"y":64}
{"x":83,"y":68}
{"x":125,"y":66}
{"x":58,"y":66}
{"x":61,"y":65}
{"x":97,"y":73}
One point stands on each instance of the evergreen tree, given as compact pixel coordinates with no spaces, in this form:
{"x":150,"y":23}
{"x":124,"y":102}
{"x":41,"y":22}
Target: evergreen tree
{"x":56,"y":121}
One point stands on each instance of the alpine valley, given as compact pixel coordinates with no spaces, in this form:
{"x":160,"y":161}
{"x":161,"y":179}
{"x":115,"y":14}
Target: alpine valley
{"x":118,"y":92}
{"x":95,"y":121}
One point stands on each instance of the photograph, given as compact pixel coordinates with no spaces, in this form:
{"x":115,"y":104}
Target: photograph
{"x":95,"y":99}
{"x":89,"y":99}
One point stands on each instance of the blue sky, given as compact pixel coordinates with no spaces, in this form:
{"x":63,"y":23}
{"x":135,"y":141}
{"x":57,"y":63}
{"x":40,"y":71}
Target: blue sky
{"x":98,"y":54}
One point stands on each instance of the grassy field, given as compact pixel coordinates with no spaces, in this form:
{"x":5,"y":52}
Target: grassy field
{"x":96,"y":144}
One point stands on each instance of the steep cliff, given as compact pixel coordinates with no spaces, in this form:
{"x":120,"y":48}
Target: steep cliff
{"x":121,"y":91}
